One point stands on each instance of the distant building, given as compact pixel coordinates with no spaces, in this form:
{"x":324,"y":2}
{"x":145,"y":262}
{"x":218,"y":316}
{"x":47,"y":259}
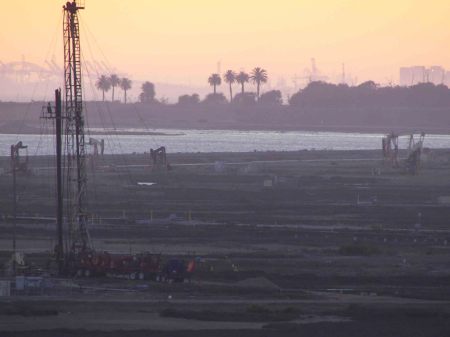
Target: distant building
{"x":436,"y":75}
{"x":412,"y":75}
{"x":420,"y":74}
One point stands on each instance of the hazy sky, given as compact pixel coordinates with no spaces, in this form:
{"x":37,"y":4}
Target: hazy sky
{"x":181,"y":41}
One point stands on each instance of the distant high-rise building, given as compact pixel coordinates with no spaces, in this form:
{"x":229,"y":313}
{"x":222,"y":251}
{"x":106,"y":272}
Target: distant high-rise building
{"x":412,"y":75}
{"x":436,"y":75}
{"x":447,"y":79}
{"x":420,"y":74}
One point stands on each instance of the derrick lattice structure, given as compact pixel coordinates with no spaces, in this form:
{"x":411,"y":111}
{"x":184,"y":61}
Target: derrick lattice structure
{"x":76,"y":178}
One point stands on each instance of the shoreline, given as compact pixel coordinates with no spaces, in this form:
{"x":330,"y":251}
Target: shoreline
{"x":21,"y":118}
{"x":32,"y":130}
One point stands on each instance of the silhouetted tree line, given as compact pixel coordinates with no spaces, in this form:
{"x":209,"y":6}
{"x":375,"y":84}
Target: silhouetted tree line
{"x":246,"y":99}
{"x":189,"y":100}
{"x":317,"y":94}
{"x":369,"y":95}
{"x":105,"y":83}
{"x":258,"y":76}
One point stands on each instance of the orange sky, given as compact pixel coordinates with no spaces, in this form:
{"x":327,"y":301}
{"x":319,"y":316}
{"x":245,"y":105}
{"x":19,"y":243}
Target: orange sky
{"x":181,"y":41}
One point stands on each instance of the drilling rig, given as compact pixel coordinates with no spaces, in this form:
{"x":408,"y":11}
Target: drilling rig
{"x":74,"y":252}
{"x":74,"y":130}
{"x":70,"y":140}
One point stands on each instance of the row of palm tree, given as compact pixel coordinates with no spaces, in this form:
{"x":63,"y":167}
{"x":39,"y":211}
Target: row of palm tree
{"x":104,"y":83}
{"x":257,"y":76}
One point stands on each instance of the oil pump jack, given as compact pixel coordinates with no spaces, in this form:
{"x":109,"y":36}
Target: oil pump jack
{"x":390,"y":149}
{"x":414,"y":152}
{"x":97,"y":144}
{"x":70,"y":128}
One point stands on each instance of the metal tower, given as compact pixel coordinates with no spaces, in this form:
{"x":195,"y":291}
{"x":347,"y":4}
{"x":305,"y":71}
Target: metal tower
{"x":74,"y":130}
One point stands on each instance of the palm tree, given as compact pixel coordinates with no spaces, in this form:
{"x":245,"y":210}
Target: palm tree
{"x":230,"y":78}
{"x":258,"y":76}
{"x":103,"y":84}
{"x":115,"y":81}
{"x":242,"y":78}
{"x":214,"y":80}
{"x":125,"y":84}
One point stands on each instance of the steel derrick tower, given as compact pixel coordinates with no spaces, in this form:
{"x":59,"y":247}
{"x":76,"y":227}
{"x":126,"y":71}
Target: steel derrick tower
{"x":76,"y":177}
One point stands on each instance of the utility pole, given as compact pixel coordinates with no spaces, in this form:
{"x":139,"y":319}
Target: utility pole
{"x":15,"y":166}
{"x":14,"y":210}
{"x":57,"y":116}
{"x":59,"y":185}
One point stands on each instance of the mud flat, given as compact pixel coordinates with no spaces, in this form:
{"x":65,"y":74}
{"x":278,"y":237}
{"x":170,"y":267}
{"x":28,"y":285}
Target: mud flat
{"x":316,"y":243}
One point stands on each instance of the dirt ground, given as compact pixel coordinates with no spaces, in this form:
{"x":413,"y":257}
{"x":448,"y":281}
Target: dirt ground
{"x":309,"y":243}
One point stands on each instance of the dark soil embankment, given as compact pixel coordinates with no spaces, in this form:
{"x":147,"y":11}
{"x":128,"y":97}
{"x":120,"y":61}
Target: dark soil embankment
{"x":25,"y":117}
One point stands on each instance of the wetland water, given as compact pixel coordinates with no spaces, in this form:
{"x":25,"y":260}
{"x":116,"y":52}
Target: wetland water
{"x":218,"y":141}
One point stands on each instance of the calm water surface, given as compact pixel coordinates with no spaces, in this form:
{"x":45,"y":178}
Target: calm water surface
{"x":222,"y":141}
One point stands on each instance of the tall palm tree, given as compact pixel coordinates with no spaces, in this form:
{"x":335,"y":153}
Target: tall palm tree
{"x":125,"y":84}
{"x":103,"y":84}
{"x":214,"y":80}
{"x":258,"y":76}
{"x":115,"y":81}
{"x":230,"y":77}
{"x":242,"y":78}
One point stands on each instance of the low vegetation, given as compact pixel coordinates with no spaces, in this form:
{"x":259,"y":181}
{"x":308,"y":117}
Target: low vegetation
{"x":253,"y":313}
